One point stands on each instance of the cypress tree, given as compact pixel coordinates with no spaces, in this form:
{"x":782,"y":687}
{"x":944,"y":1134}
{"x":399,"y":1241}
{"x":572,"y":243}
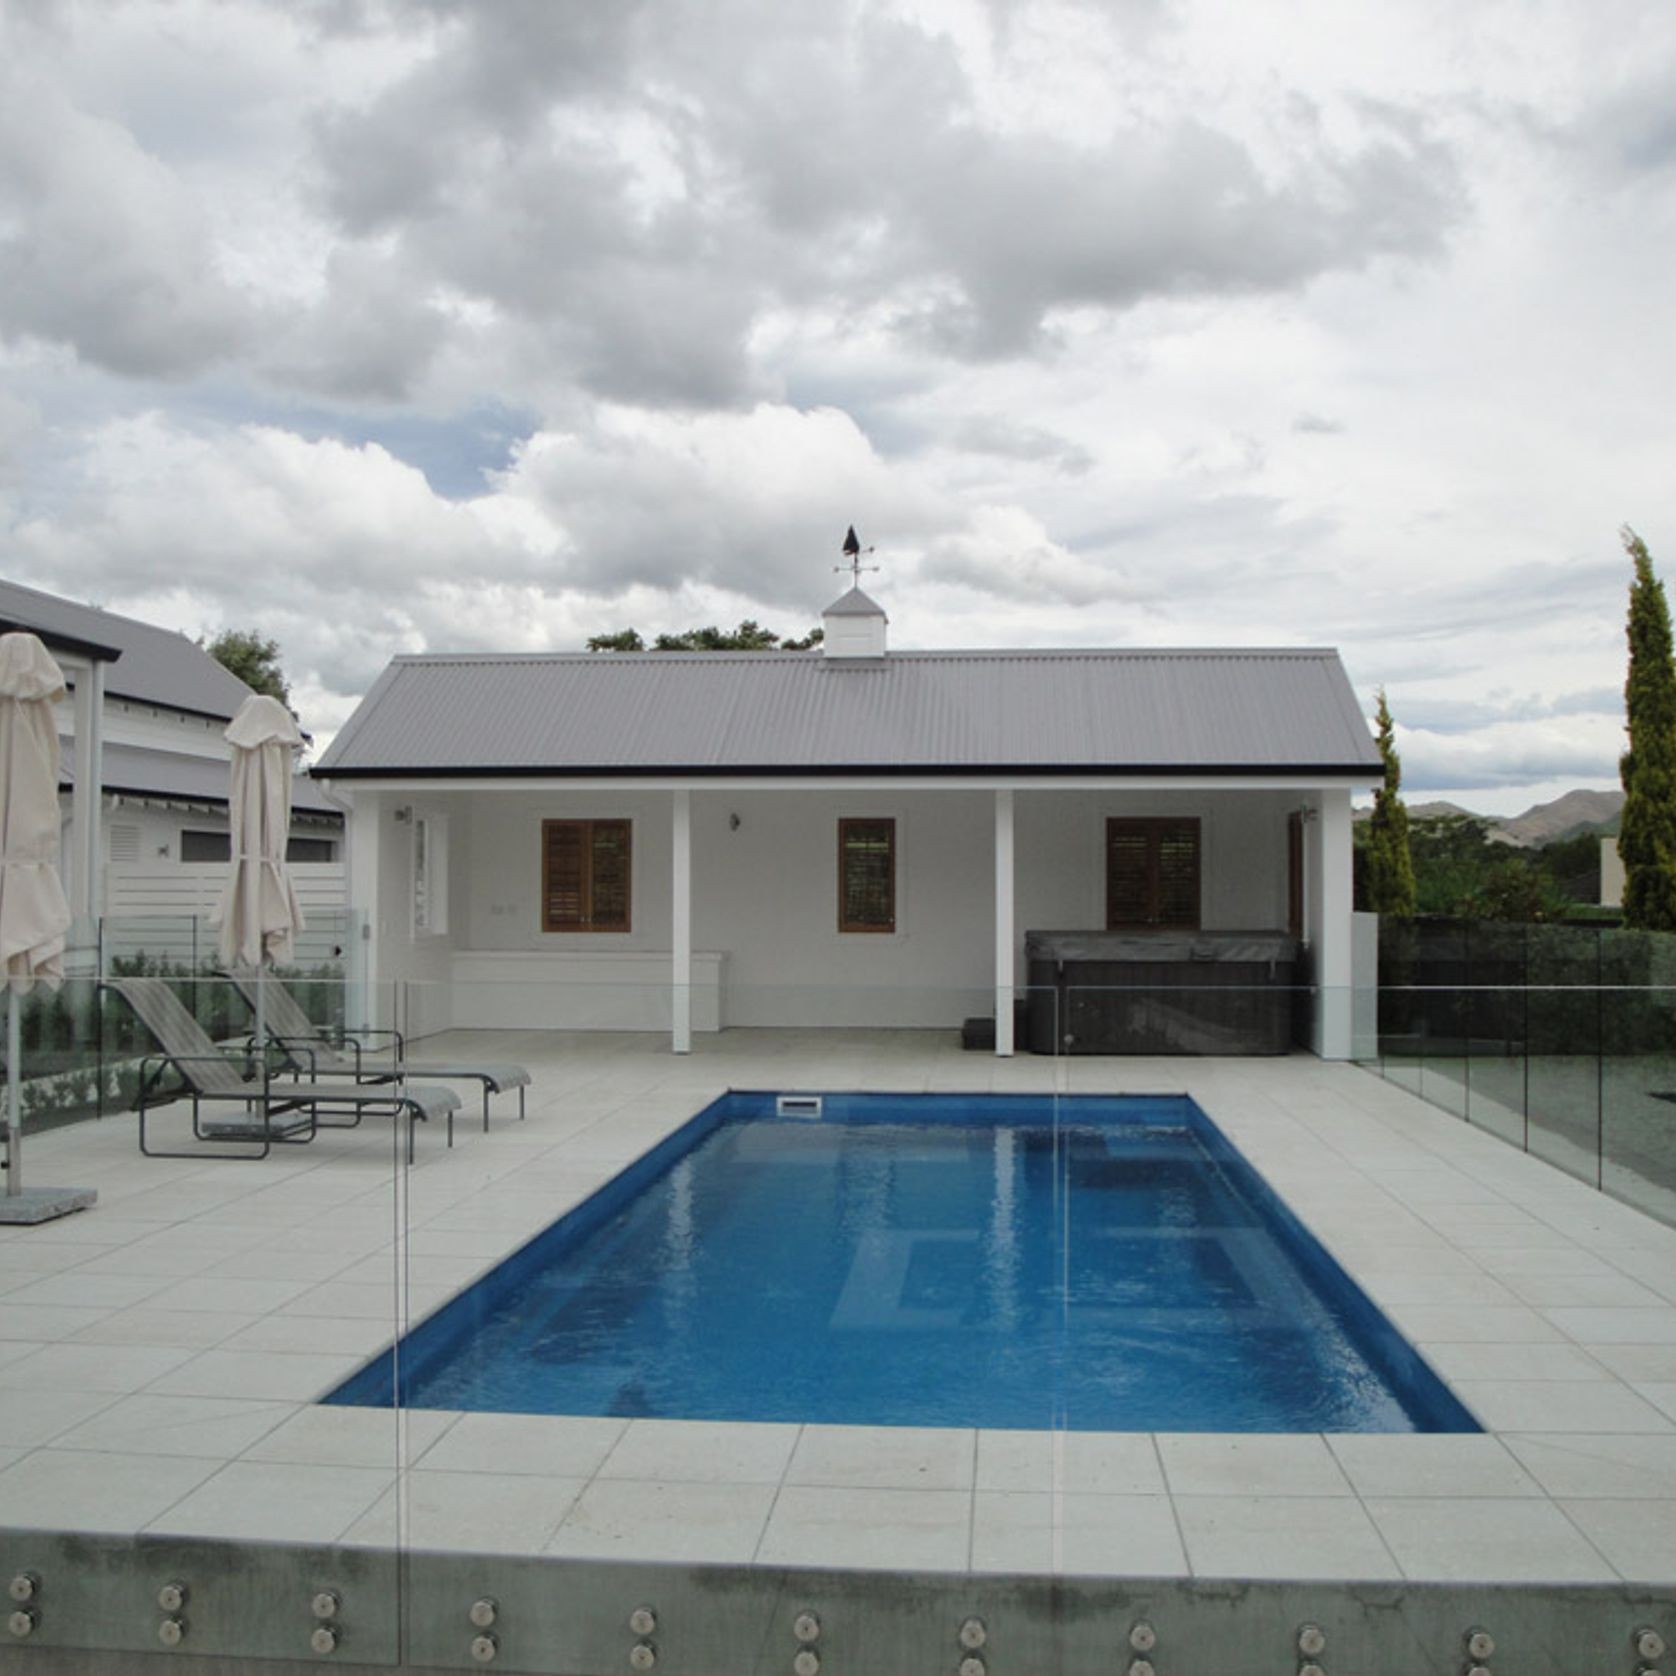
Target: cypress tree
{"x":1647,"y":837}
{"x":1390,"y":867}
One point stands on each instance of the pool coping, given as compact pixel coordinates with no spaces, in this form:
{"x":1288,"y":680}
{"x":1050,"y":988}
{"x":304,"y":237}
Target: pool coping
{"x":1450,"y":1231}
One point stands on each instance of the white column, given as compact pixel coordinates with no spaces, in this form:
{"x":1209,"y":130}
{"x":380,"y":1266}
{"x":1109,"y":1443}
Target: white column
{"x":1329,"y":871}
{"x":365,"y":837}
{"x":87,"y":718}
{"x":1004,"y":958}
{"x":681,"y":922}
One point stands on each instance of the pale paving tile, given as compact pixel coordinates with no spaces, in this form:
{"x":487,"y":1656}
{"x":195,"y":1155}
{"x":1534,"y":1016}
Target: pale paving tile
{"x":318,"y":1435}
{"x":884,"y":1457}
{"x":225,"y":1292}
{"x":557,"y":1445}
{"x":1502,"y":1541}
{"x":1620,"y":1466}
{"x":28,"y":1418}
{"x":908,"y":1530}
{"x":76,"y":1290}
{"x":1660,"y":1393}
{"x":13,"y":1350}
{"x":1430,"y":1464}
{"x":1099,"y":1463}
{"x":1441,"y":1324}
{"x":468,"y":1512}
{"x":269,"y":1502}
{"x":1511,"y":1361}
{"x":1076,"y":1535}
{"x":697,"y":1451}
{"x":1459,"y":1291}
{"x":212,"y":1428}
{"x":87,"y":1491}
{"x":47,"y":1323}
{"x":1312,"y":1537}
{"x":1536,"y":1405}
{"x":1616,"y":1326}
{"x":314,"y":1334}
{"x":91,"y":1367}
{"x":141,"y":1324}
{"x":1635,"y":1362}
{"x":631,"y":1518}
{"x":256,"y":1373}
{"x":1249,"y":1464}
{"x":1637,"y":1537}
{"x":1615,"y":1291}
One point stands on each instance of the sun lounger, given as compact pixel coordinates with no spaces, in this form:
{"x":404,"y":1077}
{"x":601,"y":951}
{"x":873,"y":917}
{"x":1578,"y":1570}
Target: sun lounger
{"x":274,"y":1112}
{"x":349,"y":1053}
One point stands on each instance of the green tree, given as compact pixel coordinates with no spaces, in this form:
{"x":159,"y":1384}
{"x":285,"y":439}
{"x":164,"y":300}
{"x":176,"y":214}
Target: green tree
{"x":1647,"y":837}
{"x":748,"y":637}
{"x":254,"y":659}
{"x":1389,"y":864}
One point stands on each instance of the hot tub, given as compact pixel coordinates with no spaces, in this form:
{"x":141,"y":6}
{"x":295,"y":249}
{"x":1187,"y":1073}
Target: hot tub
{"x":1199,"y":992}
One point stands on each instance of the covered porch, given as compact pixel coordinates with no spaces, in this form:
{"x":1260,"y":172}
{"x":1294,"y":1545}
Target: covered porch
{"x":690,"y":905}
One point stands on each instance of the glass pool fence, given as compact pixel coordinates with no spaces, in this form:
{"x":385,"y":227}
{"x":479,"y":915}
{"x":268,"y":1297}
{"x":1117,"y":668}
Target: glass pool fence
{"x":236,"y":1273}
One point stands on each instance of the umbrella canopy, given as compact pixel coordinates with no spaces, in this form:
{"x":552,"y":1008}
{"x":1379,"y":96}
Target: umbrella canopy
{"x":259,"y":914}
{"x":33,"y":913}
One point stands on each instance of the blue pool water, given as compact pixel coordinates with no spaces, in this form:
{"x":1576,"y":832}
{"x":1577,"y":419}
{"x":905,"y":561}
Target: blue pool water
{"x":1106,"y":1264}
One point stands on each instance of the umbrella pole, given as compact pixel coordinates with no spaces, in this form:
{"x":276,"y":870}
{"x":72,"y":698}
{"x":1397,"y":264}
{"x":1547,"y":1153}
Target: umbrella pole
{"x":14,"y":1101}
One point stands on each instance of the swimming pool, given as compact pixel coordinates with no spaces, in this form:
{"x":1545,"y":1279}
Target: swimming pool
{"x":1103,"y":1263}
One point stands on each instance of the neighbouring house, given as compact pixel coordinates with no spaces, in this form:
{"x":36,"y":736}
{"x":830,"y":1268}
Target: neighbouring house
{"x":851,"y":835}
{"x":145,"y":766}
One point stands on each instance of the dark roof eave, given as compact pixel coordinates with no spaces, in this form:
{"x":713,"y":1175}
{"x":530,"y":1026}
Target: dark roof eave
{"x":905,"y":770}
{"x":92,"y":650}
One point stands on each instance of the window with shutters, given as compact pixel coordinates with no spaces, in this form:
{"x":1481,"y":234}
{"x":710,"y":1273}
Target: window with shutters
{"x":866,"y":875}
{"x":1152,"y":874}
{"x":586,"y":868}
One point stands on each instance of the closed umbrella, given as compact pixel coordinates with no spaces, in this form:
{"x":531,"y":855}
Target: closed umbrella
{"x":33,"y":913}
{"x":259,"y":914}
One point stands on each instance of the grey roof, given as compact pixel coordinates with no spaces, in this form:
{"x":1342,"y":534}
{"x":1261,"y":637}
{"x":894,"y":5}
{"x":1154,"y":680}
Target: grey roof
{"x":854,"y":604}
{"x":153,"y":665}
{"x":180,"y":775}
{"x":763,"y":713}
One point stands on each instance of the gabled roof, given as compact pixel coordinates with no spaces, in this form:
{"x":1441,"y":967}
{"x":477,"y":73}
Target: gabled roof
{"x":153,"y":665}
{"x":1257,"y":712}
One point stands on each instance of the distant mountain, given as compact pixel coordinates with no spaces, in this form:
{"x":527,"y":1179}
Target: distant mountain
{"x":1565,"y":817}
{"x":1544,"y":823}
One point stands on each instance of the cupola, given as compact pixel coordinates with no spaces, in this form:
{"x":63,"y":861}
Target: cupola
{"x":853,"y":626}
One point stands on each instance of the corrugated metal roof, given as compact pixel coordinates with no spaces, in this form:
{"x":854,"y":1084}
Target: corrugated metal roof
{"x":156,"y":666}
{"x":180,"y":774}
{"x":1250,"y":711}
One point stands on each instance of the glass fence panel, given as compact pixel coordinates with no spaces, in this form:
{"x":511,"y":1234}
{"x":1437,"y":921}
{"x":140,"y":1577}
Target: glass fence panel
{"x":1496,"y":1024}
{"x":1565,"y":1009}
{"x":1638,"y":1070}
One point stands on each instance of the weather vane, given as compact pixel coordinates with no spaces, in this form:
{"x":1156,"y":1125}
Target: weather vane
{"x":853,"y":551}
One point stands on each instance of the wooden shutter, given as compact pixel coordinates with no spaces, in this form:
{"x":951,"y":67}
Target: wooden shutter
{"x":1152,"y":874}
{"x":586,"y":874}
{"x":866,"y":875}
{"x":609,"y":851}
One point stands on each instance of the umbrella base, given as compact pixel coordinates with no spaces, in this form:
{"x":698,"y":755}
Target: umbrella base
{"x":42,"y":1204}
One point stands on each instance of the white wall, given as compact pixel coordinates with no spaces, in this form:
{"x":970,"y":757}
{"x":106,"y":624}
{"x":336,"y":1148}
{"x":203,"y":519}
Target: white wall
{"x":1242,"y":856}
{"x":765,"y":891}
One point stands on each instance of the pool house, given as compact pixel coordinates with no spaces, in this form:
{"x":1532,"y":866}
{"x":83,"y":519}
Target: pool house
{"x":844,"y":836}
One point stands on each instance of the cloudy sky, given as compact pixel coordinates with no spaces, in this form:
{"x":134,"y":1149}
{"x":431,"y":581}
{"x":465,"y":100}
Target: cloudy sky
{"x":441,"y":324}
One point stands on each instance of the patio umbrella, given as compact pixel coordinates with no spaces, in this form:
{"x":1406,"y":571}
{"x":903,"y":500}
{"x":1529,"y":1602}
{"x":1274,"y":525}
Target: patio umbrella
{"x":33,"y":913}
{"x":259,"y":914}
